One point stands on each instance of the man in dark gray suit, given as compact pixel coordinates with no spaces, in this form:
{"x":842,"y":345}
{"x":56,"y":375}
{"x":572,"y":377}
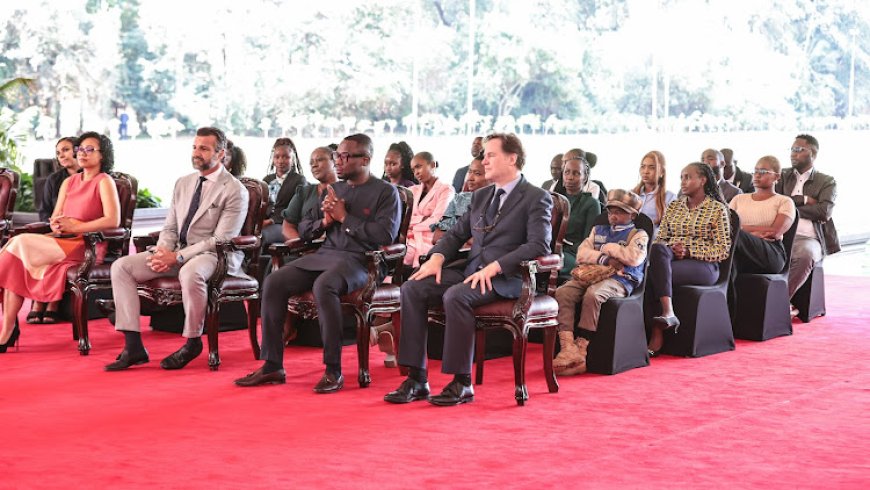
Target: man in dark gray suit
{"x":813,"y":194}
{"x":509,"y":222}
{"x":358,"y":214}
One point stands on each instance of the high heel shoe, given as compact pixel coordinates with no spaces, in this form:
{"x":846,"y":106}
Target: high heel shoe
{"x":13,"y":339}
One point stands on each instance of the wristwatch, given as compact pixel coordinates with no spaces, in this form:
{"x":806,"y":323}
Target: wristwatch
{"x":179,"y":258}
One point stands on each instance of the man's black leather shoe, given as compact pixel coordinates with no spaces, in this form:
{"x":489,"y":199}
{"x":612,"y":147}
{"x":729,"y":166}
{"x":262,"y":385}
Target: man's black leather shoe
{"x":329,"y":383}
{"x":257,"y":378}
{"x":455,"y":393}
{"x":181,"y":357}
{"x":409,"y":391}
{"x":125,"y":359}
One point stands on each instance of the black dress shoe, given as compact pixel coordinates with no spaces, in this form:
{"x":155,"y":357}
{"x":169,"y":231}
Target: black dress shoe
{"x":257,"y":378}
{"x":409,"y":391}
{"x":455,"y":393}
{"x":329,"y":383}
{"x":126,"y":359}
{"x":181,"y":357}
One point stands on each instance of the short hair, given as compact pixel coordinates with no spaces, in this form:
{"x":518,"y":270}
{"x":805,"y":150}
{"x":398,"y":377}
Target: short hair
{"x":772,"y":161}
{"x":219,"y":136}
{"x":510,"y":143}
{"x":425,"y":155}
{"x":107,"y":151}
{"x":813,"y":142}
{"x":364,"y":141}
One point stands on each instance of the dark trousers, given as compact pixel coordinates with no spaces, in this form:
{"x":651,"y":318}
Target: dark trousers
{"x":459,"y":301}
{"x":755,"y":255}
{"x":327,"y":286}
{"x":665,"y":272}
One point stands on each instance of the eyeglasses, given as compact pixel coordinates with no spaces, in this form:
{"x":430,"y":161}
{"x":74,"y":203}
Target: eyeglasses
{"x":798,"y":149}
{"x":763,"y":171}
{"x":345,"y":156}
{"x":86,"y":149}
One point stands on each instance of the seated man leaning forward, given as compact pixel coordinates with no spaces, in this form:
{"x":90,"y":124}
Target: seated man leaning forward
{"x":359,"y":213}
{"x":510,"y":223}
{"x":207,"y":206}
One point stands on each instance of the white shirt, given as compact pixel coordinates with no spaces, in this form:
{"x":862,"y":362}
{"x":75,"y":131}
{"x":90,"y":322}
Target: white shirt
{"x":805,"y":226}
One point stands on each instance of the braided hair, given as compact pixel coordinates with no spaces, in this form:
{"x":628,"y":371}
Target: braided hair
{"x":296,"y":167}
{"x":406,"y":154}
{"x":711,"y":186}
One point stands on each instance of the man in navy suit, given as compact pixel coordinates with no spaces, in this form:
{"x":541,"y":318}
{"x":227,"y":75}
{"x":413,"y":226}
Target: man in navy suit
{"x":509,"y":222}
{"x":358,"y":214}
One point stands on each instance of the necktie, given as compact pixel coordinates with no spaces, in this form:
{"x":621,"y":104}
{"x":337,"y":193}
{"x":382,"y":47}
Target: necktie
{"x":194,"y":206}
{"x":492,"y":210}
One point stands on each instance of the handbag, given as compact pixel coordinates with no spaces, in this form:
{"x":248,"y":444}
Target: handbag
{"x":586,"y":275}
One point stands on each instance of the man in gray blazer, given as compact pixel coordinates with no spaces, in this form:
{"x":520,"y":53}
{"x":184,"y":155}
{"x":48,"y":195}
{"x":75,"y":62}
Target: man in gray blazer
{"x":207,"y":206}
{"x":716,"y":161}
{"x":509,"y":222}
{"x":813,"y":194}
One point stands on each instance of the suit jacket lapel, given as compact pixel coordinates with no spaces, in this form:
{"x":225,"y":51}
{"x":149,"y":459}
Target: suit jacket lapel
{"x":208,"y":197}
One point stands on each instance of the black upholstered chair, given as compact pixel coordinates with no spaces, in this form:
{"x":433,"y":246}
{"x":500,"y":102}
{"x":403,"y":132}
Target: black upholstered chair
{"x":761,"y":303}
{"x":620,"y":340}
{"x":809,"y":299}
{"x":535,"y":308}
{"x":373,"y":298}
{"x":705,"y":321}
{"x":8,"y":196}
{"x":222,"y":287}
{"x":90,"y":276}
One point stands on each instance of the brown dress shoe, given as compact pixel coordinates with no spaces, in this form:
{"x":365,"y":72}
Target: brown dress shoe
{"x":329,"y":383}
{"x":257,"y":378}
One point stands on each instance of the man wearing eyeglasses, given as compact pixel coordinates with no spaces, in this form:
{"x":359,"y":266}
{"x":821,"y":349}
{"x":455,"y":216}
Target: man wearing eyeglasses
{"x":813,"y":194}
{"x":509,"y":222}
{"x":207,"y":205}
{"x":358,"y":214}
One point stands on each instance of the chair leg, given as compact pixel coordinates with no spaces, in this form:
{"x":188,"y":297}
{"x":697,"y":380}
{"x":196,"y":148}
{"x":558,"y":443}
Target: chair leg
{"x":253,"y":308}
{"x":549,"y":352}
{"x":211,"y":324}
{"x":521,"y":393}
{"x":80,"y":319}
{"x":362,"y":349}
{"x":480,"y":354}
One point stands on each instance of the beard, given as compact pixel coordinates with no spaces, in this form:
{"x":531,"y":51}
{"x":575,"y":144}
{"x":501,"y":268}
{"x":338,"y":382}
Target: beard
{"x":201,"y":164}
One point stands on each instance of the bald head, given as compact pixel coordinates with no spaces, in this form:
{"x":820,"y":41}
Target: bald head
{"x":715,"y":160}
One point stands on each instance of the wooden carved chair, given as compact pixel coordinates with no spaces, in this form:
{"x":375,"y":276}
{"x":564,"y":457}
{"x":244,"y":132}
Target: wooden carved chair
{"x":8,"y":196}
{"x":372,"y":299}
{"x":222,"y":288}
{"x":90,"y":276}
{"x":535,"y":308}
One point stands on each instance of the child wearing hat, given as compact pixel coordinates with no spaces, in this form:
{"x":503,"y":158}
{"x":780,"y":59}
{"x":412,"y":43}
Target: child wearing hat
{"x":620,"y":245}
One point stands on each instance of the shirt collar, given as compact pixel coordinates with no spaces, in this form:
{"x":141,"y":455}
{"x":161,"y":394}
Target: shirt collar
{"x":214,"y":176}
{"x":510,"y":185}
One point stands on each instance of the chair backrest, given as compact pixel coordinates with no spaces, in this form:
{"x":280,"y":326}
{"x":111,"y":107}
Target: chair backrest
{"x":725,"y":265}
{"x":127,"y":187}
{"x":42,"y":168}
{"x":787,"y":241}
{"x":258,"y":206}
{"x":406,"y":197}
{"x":8,"y":192}
{"x":559,"y":222}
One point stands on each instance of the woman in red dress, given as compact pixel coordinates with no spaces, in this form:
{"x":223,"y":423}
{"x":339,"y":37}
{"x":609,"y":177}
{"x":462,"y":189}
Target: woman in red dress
{"x":35,"y":265}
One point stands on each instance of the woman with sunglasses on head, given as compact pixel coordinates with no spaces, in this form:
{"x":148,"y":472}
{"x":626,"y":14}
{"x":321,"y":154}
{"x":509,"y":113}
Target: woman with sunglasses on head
{"x":694,"y":236}
{"x":765,"y":216}
{"x":285,"y":178}
{"x":651,"y":188}
{"x":584,"y":207}
{"x":34,"y":265}
{"x":397,"y":165}
{"x":66,"y":158}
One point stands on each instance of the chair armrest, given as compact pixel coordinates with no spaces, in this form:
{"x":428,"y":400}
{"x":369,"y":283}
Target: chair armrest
{"x":246,"y":242}
{"x":544,"y":263}
{"x":280,"y":251}
{"x":461,"y":254}
{"x":40,"y":227}
{"x":143,"y":242}
{"x":115,"y":234}
{"x":389,"y":252}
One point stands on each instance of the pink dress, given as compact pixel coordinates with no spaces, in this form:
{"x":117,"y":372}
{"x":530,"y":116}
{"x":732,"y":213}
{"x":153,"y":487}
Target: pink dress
{"x":427,"y":211}
{"x":35,"y":266}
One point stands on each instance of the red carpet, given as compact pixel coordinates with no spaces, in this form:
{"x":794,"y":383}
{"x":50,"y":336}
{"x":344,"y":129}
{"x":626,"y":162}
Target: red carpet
{"x":790,"y":412}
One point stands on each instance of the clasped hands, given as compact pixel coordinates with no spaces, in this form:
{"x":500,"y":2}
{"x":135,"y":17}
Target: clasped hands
{"x":161,"y":259}
{"x":64,"y":224}
{"x":680,"y":250}
{"x":333,"y":208}
{"x":433,"y":266}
